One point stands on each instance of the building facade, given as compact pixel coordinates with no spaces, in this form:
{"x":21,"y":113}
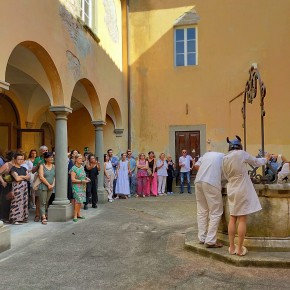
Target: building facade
{"x":190,"y":62}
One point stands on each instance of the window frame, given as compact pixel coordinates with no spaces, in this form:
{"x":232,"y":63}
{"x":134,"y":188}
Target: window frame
{"x":83,"y":14}
{"x":185,"y":41}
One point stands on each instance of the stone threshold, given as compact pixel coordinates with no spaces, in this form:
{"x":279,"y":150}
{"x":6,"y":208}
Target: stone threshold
{"x":251,"y":259}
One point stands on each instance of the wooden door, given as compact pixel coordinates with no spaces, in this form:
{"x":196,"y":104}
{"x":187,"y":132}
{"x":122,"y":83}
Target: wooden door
{"x":190,"y":141}
{"x":6,"y":136}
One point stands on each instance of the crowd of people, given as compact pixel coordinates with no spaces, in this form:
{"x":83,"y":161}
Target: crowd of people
{"x":28,"y":182}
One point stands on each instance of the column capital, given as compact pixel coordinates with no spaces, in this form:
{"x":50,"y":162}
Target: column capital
{"x":119,"y":132}
{"x":60,"y":109}
{"x":4,"y":85}
{"x":99,"y":123}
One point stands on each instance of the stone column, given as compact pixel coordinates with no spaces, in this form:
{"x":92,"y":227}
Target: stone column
{"x":5,"y":238}
{"x":61,"y":209}
{"x":99,"y":151}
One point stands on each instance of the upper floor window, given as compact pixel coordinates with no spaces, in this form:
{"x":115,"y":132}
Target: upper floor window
{"x":86,"y":12}
{"x":185,"y":46}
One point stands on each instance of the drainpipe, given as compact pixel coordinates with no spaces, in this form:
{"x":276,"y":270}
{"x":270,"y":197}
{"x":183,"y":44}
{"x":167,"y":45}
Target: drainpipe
{"x":128,"y":76}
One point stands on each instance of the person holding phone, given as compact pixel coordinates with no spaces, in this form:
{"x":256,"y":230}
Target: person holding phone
{"x":92,"y":168}
{"x":79,"y":182}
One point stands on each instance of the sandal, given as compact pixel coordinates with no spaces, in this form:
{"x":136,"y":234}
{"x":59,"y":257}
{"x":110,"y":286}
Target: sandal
{"x":44,"y":221}
{"x":234,"y":252}
{"x":244,"y":251}
{"x":75,"y":220}
{"x":216,"y":245}
{"x":37,"y":219}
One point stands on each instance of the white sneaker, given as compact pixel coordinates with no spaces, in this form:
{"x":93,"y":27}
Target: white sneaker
{"x":110,"y":200}
{"x":168,"y":192}
{"x":171,"y":192}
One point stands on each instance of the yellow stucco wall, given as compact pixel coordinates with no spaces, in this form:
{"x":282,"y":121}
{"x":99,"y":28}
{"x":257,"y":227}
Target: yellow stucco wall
{"x":231,"y":36}
{"x":80,"y":134}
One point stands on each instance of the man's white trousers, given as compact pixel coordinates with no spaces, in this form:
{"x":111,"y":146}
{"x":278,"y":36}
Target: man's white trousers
{"x":209,"y":211}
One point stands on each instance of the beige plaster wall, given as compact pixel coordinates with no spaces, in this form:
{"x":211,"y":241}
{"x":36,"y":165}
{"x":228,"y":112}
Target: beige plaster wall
{"x":231,"y":36}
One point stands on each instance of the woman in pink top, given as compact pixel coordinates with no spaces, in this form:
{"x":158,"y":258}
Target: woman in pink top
{"x":152,"y":179}
{"x":142,"y":176}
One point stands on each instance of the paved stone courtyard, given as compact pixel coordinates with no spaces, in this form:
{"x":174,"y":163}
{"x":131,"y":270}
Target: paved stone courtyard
{"x":128,"y":244}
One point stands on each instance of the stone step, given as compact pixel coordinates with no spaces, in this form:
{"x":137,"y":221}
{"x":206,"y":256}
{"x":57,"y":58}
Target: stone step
{"x":252,"y":258}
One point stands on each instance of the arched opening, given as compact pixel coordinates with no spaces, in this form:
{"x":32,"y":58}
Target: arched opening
{"x":86,"y":108}
{"x":113,"y":128}
{"x":113,"y":110}
{"x":34,"y":85}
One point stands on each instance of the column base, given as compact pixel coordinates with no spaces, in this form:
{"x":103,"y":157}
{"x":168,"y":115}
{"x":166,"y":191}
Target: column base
{"x":60,"y":213}
{"x":5,"y":238}
{"x":102,"y":195}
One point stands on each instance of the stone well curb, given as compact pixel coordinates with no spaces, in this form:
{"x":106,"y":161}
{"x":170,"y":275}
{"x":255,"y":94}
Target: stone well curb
{"x":252,"y":259}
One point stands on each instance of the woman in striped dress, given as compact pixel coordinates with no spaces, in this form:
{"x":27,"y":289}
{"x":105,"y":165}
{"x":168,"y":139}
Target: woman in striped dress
{"x":19,"y":204}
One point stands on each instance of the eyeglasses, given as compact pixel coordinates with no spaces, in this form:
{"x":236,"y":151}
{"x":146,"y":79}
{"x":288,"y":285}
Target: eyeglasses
{"x":184,"y":152}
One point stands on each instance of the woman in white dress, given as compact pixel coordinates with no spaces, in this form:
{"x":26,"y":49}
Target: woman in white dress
{"x":122,"y":186}
{"x":242,"y":197}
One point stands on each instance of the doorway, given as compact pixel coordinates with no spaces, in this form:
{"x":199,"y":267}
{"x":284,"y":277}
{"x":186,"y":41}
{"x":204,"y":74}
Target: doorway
{"x":194,"y":138}
{"x":190,"y":141}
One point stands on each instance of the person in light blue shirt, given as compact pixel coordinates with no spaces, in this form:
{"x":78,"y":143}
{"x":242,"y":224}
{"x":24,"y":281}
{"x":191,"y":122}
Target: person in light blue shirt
{"x":132,"y":174}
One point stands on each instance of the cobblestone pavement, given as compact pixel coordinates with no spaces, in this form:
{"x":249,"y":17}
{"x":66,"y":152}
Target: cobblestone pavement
{"x":128,"y":244}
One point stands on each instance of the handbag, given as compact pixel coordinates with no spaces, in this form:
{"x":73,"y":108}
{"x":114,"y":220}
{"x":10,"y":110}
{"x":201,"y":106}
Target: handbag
{"x":7,"y":178}
{"x":10,"y":195}
{"x":149,"y":172}
{"x":36,"y":181}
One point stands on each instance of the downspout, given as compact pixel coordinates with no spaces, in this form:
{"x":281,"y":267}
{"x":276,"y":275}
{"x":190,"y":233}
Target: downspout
{"x":128,"y":76}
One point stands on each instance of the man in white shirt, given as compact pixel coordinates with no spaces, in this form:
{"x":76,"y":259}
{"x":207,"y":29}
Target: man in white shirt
{"x":209,"y":197}
{"x":185,"y":168}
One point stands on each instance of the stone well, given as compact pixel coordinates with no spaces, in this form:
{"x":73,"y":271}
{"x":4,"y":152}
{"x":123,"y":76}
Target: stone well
{"x":268,"y":229}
